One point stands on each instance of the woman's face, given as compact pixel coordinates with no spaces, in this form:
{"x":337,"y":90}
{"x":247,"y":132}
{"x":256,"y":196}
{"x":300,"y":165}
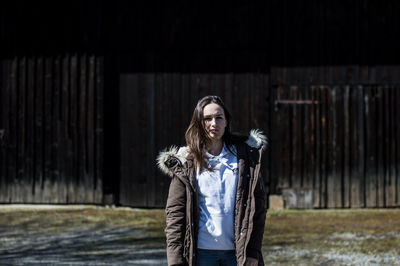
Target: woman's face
{"x":214,"y":121}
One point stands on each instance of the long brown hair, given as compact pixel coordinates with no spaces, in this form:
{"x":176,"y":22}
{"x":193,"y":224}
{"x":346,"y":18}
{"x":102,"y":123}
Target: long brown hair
{"x":196,"y":136}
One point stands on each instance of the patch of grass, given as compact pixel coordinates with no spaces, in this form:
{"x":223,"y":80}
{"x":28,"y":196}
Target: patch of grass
{"x":59,"y":220}
{"x":375,"y":246}
{"x":327,"y":232}
{"x":303,"y":234}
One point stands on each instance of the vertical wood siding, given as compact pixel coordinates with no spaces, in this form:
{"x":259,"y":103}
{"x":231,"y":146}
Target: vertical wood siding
{"x":51,"y":124}
{"x":343,"y":146}
{"x":353,"y":151}
{"x":156,"y":109}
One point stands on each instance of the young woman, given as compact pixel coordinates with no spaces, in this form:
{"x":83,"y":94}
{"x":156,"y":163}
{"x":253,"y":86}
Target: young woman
{"x":216,"y":203}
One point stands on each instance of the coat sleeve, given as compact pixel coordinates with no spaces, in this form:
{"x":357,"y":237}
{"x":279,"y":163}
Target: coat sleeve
{"x":255,"y":242}
{"x":175,"y":222}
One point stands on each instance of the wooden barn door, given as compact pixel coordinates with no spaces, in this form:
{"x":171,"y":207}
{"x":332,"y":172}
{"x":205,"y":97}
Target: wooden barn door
{"x":294,"y":140}
{"x":313,"y":147}
{"x":340,"y":143}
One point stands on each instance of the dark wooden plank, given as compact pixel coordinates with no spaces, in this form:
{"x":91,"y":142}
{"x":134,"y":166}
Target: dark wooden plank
{"x":13,"y":137}
{"x":160,"y":125}
{"x":324,"y":145}
{"x":316,"y":142}
{"x":346,"y":148}
{"x":240,"y":122}
{"x":176,"y":85}
{"x":218,"y":80}
{"x":244,"y":116}
{"x":389,"y":191}
{"x":38,"y":131}
{"x":74,"y":194}
{"x":339,"y":149}
{"x":246,"y":88}
{"x":332,"y":176}
{"x":99,"y":128}
{"x":235,"y":93}
{"x":308,"y":143}
{"x":160,"y":181}
{"x":85,"y":181}
{"x":381,"y":145}
{"x":267,"y":124}
{"x":22,"y":188}
{"x":194,"y":90}
{"x":127,"y":107}
{"x":141,"y":134}
{"x":5,"y":102}
{"x":65,"y":151}
{"x":283,"y":149}
{"x":251,"y":102}
{"x":151,"y":153}
{"x":362,"y":149}
{"x":296,"y":136}
{"x":56,"y":131}
{"x":355,"y":155}
{"x":186,"y":109}
{"x":203,"y":85}
{"x":50,"y":186}
{"x":228,"y":88}
{"x":3,"y":111}
{"x":274,"y":144}
{"x":371,"y":149}
{"x":30,"y":128}
{"x":396,"y":121}
{"x":168,"y":88}
{"x":90,"y":127}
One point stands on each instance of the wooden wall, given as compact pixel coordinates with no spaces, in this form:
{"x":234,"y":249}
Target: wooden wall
{"x":155,"y":112}
{"x":339,"y":141}
{"x":51,"y":119}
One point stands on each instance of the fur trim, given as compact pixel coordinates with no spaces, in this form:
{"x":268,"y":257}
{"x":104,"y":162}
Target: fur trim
{"x":257,"y":139}
{"x":166,"y":154}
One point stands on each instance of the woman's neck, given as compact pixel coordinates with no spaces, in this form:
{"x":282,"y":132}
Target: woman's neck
{"x":215,"y":147}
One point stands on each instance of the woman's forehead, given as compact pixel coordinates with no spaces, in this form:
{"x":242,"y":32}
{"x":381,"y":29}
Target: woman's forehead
{"x":213,"y":109}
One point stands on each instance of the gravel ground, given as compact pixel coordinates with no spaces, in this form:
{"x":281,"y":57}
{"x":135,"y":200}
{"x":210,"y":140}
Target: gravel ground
{"x":90,"y":235}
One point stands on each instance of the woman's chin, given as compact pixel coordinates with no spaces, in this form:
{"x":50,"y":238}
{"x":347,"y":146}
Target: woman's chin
{"x":215,"y":137}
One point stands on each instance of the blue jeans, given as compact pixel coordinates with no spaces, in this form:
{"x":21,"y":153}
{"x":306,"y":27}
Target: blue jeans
{"x":207,"y":257}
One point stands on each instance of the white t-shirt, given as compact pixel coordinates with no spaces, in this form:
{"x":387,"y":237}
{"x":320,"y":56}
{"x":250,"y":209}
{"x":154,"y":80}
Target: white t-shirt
{"x":217,"y":190}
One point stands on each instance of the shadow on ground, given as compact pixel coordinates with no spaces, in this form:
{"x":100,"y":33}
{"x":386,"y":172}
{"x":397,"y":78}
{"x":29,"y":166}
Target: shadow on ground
{"x":87,"y":236}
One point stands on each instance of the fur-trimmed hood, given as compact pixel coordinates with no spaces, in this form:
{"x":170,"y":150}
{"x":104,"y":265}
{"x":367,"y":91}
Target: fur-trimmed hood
{"x":255,"y":140}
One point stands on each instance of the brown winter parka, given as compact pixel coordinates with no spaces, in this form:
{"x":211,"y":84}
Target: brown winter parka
{"x":182,"y":210}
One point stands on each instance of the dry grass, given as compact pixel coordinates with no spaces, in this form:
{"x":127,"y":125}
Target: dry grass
{"x":291,"y":237}
{"x":350,"y":237}
{"x":58,"y":220}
